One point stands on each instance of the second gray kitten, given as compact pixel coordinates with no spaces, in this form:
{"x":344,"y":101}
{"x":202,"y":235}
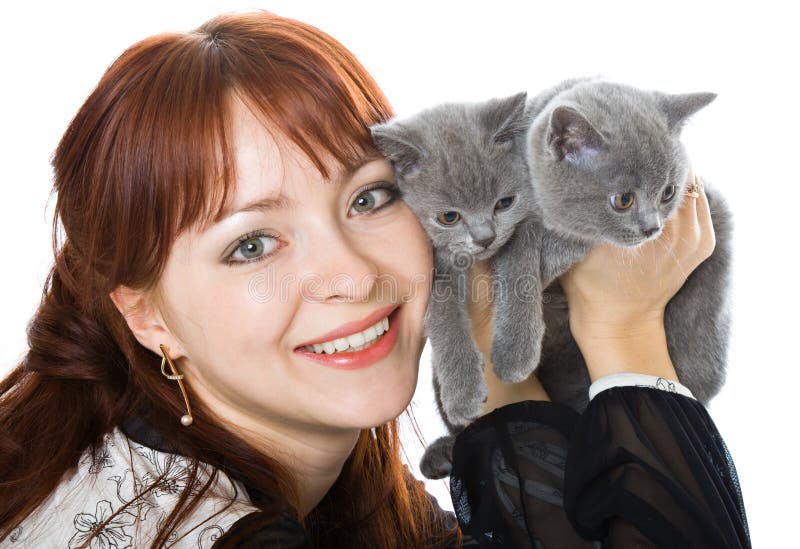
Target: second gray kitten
{"x":607,"y":166}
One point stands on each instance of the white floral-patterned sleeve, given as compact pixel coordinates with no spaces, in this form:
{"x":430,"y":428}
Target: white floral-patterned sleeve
{"x":102,"y":486}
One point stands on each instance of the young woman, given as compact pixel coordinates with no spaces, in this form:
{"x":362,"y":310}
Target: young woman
{"x":224,"y":210}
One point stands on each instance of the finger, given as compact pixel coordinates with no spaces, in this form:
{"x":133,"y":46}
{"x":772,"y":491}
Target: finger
{"x":708,"y":237}
{"x":686,"y":208}
{"x":689,"y":204}
{"x":693,"y":233}
{"x":675,"y":223}
{"x":686,"y":230}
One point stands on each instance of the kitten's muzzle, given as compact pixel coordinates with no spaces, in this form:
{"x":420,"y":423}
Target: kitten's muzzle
{"x":650,"y":231}
{"x":485,"y":242}
{"x":482,"y":235}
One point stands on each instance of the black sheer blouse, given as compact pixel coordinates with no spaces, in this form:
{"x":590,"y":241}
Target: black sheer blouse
{"x":640,"y":467}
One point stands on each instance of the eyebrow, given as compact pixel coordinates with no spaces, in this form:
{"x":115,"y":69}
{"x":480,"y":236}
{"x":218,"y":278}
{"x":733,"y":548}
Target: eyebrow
{"x":261,"y":205}
{"x":267,"y":204}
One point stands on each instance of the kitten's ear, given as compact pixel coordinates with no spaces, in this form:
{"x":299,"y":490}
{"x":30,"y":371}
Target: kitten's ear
{"x":679,"y":107}
{"x":506,"y":117}
{"x":394,"y":141}
{"x":571,"y":135}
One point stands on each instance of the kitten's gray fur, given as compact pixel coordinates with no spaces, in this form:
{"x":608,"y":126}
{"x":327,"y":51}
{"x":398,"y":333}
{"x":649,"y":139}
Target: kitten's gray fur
{"x":588,"y":140}
{"x":465,"y":158}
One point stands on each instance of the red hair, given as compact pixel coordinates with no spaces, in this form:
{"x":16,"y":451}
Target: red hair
{"x":146,"y":157}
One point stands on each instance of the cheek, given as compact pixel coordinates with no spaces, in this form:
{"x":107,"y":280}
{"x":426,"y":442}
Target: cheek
{"x":240,"y":319}
{"x":409,"y":254}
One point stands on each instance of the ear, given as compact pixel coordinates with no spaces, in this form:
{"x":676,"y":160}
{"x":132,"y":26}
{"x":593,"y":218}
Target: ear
{"x":506,"y":118}
{"x":396,"y":144}
{"x":679,"y":107}
{"x":145,"y":321}
{"x":572,"y":136}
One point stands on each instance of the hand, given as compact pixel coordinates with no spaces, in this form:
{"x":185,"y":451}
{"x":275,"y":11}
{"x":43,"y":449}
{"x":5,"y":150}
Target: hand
{"x":617,"y":296}
{"x":481,"y":313}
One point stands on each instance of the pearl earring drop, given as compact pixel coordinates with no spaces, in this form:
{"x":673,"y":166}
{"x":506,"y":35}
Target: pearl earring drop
{"x":187,"y":418}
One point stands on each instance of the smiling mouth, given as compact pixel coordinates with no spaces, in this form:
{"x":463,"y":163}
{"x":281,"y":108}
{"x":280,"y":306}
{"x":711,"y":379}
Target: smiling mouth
{"x":361,"y":356}
{"x":354,"y":342}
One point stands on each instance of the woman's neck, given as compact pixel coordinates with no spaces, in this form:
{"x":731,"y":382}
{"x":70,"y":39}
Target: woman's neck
{"x":314,"y":454}
{"x":315,"y":458}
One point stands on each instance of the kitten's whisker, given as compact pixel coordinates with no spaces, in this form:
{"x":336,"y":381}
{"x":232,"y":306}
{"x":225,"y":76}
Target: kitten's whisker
{"x":673,"y":254}
{"x":668,"y":250}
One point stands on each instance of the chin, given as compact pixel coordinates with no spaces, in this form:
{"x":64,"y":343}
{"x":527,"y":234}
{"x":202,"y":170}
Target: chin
{"x":633,"y":241}
{"x":485,"y":254}
{"x":627,"y":243}
{"x":374,"y":399}
{"x":368,"y":413}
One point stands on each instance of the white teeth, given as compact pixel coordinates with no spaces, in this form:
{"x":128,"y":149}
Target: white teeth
{"x":354,"y":342}
{"x":370,"y":333}
{"x":341,"y":344}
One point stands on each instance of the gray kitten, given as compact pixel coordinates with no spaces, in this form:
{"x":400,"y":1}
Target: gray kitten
{"x":607,"y":165}
{"x":462,"y":169}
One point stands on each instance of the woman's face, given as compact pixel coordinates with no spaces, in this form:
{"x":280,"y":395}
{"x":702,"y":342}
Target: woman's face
{"x":244,"y":296}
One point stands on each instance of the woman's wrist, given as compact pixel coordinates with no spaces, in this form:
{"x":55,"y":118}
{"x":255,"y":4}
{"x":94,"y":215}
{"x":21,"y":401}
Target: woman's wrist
{"x":629,"y":347}
{"x":502,"y":393}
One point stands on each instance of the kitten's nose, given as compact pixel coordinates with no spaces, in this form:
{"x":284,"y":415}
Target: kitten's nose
{"x":650,"y":232}
{"x":485,"y":242}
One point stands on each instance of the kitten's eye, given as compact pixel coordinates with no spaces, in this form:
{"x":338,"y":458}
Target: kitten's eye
{"x":504,"y":203}
{"x":668,"y":193}
{"x":448,"y":218}
{"x":622,"y":201}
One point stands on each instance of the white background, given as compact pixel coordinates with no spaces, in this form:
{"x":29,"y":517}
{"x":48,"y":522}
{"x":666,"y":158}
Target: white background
{"x":422,"y":53}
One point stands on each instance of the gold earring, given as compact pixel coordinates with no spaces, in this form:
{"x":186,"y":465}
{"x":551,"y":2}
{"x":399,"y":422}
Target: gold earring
{"x":187,"y":419}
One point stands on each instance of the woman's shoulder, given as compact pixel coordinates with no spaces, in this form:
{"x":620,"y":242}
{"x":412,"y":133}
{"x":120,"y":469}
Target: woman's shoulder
{"x":131,"y":488}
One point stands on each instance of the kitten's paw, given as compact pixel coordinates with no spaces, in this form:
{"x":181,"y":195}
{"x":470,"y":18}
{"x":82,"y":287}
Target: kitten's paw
{"x":437,"y":461}
{"x":462,"y":386}
{"x":462,"y":410}
{"x":514,"y":360}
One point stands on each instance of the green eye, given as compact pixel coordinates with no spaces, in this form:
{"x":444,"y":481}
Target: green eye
{"x":375,"y":198}
{"x":504,"y":203}
{"x":668,"y":193}
{"x":364,"y":202}
{"x":622,"y":201}
{"x":448,"y":218}
{"x":252,"y":248}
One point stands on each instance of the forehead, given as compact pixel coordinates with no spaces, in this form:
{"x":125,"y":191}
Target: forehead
{"x":271,"y":171}
{"x":267,"y":164}
{"x":264,"y":159}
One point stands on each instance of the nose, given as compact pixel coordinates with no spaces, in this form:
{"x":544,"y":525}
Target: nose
{"x":338,"y":268}
{"x":482,"y":234}
{"x":650,"y":231}
{"x":485,"y":242}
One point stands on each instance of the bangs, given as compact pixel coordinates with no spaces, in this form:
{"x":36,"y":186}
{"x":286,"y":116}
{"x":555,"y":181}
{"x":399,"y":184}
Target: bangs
{"x":298,"y":81}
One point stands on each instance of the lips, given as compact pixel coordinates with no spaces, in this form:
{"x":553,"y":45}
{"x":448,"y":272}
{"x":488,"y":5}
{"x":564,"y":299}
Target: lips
{"x":354,"y":360}
{"x":350,"y":328}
